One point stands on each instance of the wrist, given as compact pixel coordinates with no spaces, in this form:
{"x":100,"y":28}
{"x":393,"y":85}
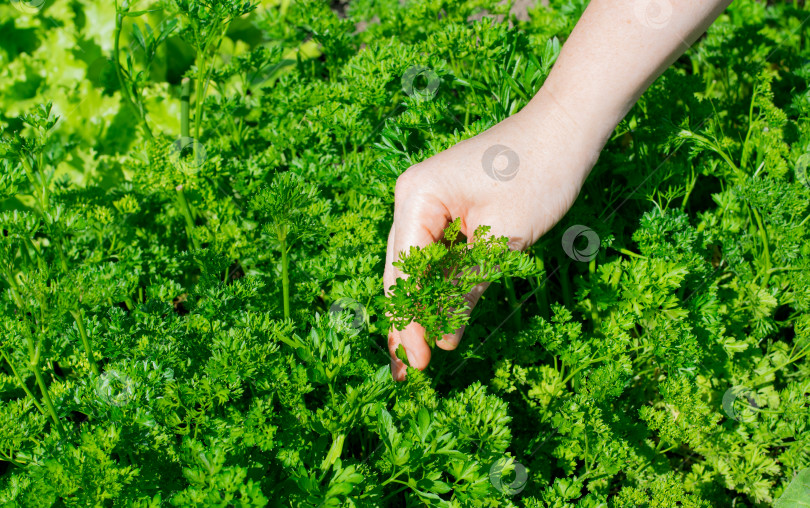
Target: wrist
{"x":577,"y":136}
{"x":589,"y":124}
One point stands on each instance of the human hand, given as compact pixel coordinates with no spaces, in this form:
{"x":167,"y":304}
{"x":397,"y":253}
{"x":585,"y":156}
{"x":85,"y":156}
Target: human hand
{"x":519,"y":177}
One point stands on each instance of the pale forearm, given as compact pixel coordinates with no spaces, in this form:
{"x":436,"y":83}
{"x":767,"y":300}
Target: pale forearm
{"x":617,"y":49}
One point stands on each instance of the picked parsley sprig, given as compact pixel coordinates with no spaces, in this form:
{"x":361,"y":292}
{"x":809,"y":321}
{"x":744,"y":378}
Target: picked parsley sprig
{"x":440,"y":275}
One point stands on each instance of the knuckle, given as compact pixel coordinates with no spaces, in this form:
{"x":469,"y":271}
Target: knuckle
{"x":406,"y":185}
{"x":410,"y":182}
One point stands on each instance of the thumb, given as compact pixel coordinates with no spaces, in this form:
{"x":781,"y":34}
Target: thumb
{"x":450,"y":341}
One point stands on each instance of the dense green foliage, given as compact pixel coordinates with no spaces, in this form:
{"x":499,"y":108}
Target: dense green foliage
{"x":192,"y":269}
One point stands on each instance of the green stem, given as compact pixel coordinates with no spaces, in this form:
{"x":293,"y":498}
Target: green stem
{"x":719,"y":151}
{"x":221,"y":30}
{"x":631,"y":253}
{"x":581,"y":368}
{"x":804,"y":352}
{"x":185,"y":95}
{"x":661,"y":452}
{"x":746,"y":151}
{"x":40,"y":260}
{"x":33,"y":363}
{"x":10,"y":459}
{"x":334,"y":451}
{"x":763,"y":234}
{"x":45,"y":205}
{"x":187,"y":214}
{"x":47,"y":398}
{"x":22,"y":382}
{"x":15,"y":293}
{"x":46,"y":193}
{"x":594,"y":311}
{"x":392,"y":478}
{"x":689,"y":188}
{"x":27,"y":254}
{"x":540,"y":294}
{"x":786,"y":269}
{"x":130,"y":303}
{"x":125,"y":92}
{"x":285,"y":275}
{"x":78,"y":315}
{"x":32,"y":179}
{"x":565,"y":285}
{"x":389,"y":496}
{"x":199,"y":90}
{"x":599,"y":477}
{"x":61,"y":251}
{"x":513,"y":302}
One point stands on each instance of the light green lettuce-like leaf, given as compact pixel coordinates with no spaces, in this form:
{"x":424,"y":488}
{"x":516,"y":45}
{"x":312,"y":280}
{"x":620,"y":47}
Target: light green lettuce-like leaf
{"x":797,"y":494}
{"x":100,"y":26}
